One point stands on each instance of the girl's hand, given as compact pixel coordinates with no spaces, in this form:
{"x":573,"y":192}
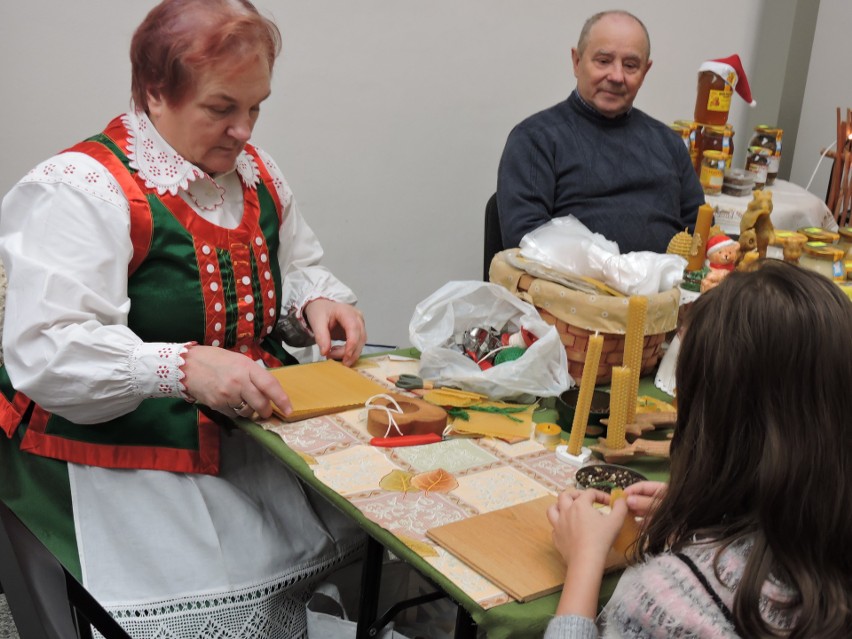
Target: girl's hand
{"x":581,"y":529}
{"x":643,"y":496}
{"x":583,"y":536}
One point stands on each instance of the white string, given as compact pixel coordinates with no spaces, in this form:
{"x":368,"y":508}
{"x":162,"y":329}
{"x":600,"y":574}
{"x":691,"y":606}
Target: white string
{"x":494,"y":352}
{"x":824,"y":153}
{"x":391,"y":421}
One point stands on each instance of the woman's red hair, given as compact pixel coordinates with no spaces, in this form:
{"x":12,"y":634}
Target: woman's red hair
{"x":179,"y":39}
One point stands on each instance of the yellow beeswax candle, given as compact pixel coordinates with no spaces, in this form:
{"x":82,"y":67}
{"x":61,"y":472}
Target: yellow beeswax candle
{"x":634,"y":342}
{"x":584,"y":398}
{"x":699,"y":238}
{"x":619,"y":396}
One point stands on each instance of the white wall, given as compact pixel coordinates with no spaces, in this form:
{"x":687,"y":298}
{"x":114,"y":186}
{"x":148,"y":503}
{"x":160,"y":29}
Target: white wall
{"x":387,"y":116}
{"x":828,"y":87}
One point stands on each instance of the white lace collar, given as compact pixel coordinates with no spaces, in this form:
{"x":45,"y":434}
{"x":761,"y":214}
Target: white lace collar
{"x":164,"y":169}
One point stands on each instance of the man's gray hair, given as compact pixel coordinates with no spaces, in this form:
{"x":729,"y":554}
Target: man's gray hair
{"x":584,"y":32}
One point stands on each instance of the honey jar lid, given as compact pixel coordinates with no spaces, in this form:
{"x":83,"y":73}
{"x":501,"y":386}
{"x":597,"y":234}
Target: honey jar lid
{"x":818,"y":234}
{"x":845,"y":232}
{"x":759,"y":150}
{"x":715,"y":155}
{"x":823,"y":251}
{"x":783,"y":237}
{"x":765,"y":128}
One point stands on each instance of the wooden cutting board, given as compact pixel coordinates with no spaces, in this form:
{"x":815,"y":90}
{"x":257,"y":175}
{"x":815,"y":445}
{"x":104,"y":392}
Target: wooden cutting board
{"x":512,"y":547}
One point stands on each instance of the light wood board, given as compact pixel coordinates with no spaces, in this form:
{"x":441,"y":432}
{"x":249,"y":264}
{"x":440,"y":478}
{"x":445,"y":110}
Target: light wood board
{"x":512,"y":547}
{"x":322,"y":388}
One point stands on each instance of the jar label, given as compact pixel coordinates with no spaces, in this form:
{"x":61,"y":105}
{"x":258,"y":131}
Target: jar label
{"x":839,"y":271}
{"x":719,"y":100}
{"x":759,"y":171}
{"x":774,"y":163}
{"x":712,"y":177}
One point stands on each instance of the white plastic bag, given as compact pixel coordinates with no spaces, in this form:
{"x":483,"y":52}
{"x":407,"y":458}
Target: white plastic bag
{"x":441,"y":320}
{"x":327,"y":618}
{"x":566,"y":245}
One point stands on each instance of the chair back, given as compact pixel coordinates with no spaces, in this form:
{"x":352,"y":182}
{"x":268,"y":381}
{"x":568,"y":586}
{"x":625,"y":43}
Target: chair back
{"x":493,"y":235}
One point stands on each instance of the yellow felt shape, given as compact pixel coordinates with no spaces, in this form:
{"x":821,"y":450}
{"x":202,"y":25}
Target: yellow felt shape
{"x":512,"y":425}
{"x":452,"y":397}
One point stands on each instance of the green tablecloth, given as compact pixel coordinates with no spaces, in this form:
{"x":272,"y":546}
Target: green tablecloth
{"x":505,"y":621}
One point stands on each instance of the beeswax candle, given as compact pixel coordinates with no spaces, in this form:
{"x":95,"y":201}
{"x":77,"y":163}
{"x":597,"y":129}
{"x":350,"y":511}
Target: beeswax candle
{"x":584,"y":399}
{"x":699,"y":238}
{"x":634,"y":342}
{"x":619,"y":397}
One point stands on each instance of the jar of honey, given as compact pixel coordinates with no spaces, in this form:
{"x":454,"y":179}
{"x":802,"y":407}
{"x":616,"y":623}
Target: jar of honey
{"x":715,"y":138}
{"x":684,"y":134}
{"x":757,"y":163}
{"x":712,"y":175}
{"x":844,"y":242}
{"x":769,"y":138}
{"x":713,"y":102}
{"x":824,"y":259}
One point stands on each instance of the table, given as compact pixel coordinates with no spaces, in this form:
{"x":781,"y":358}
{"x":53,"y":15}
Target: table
{"x":792,"y":208}
{"x":332,"y":454}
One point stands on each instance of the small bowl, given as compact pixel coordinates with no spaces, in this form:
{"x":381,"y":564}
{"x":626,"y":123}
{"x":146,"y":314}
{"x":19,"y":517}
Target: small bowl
{"x":605,"y":477}
{"x":566,"y":405}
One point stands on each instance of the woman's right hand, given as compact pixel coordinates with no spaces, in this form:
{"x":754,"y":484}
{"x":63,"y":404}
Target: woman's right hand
{"x":231,"y":383}
{"x":643,"y":496}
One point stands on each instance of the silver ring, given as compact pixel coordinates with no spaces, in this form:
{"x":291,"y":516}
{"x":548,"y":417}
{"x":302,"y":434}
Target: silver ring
{"x":242,"y":405}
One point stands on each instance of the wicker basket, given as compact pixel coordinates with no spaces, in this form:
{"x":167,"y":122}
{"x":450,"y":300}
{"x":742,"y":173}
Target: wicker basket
{"x":578,"y":315}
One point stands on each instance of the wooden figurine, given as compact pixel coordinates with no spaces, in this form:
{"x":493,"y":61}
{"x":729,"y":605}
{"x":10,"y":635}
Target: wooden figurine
{"x":756,"y":230}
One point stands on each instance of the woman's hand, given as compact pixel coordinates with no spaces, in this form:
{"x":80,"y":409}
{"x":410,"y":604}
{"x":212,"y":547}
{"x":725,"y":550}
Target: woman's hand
{"x":231,"y":383}
{"x":643,"y":496}
{"x":335,"y":320}
{"x":583,"y":536}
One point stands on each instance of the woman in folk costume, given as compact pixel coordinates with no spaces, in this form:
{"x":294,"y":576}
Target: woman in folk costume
{"x":153,"y":271}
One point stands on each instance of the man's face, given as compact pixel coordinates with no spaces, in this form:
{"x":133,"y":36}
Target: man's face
{"x":613,"y":64}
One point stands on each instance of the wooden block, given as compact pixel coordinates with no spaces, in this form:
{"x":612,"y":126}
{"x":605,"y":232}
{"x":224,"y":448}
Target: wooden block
{"x":513,"y":547}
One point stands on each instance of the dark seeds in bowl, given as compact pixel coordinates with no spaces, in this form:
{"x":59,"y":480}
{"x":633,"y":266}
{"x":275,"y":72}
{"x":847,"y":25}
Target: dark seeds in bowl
{"x":605,"y":477}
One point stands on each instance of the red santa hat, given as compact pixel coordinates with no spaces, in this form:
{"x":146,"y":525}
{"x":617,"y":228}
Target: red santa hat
{"x":718,"y":242}
{"x":731,"y":70}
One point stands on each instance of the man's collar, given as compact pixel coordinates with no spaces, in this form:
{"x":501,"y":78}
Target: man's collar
{"x":593,"y":111}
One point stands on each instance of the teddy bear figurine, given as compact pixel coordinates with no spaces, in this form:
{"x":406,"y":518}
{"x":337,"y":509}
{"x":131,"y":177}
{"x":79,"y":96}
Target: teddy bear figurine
{"x":722,"y":256}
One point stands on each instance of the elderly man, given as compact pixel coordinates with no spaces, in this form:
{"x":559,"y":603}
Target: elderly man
{"x":620,"y":172}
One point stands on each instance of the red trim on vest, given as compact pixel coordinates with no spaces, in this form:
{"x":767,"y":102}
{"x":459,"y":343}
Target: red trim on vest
{"x":267,"y":180}
{"x":11,"y":413}
{"x":141,"y":222}
{"x":261,"y":251}
{"x":205,"y":460}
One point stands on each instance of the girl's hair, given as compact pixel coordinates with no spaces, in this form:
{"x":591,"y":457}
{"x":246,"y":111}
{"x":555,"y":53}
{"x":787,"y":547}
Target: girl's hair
{"x":763,"y":442}
{"x":179,"y":39}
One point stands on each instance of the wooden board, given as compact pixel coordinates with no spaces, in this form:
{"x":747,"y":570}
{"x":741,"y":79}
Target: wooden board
{"x":512,"y":547}
{"x":322,"y":388}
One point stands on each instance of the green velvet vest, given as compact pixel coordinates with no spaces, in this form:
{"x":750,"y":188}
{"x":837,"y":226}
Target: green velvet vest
{"x":188,"y":280}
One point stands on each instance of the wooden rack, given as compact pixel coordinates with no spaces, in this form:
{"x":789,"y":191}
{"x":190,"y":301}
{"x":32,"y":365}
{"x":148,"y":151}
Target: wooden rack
{"x":839,"y":198}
